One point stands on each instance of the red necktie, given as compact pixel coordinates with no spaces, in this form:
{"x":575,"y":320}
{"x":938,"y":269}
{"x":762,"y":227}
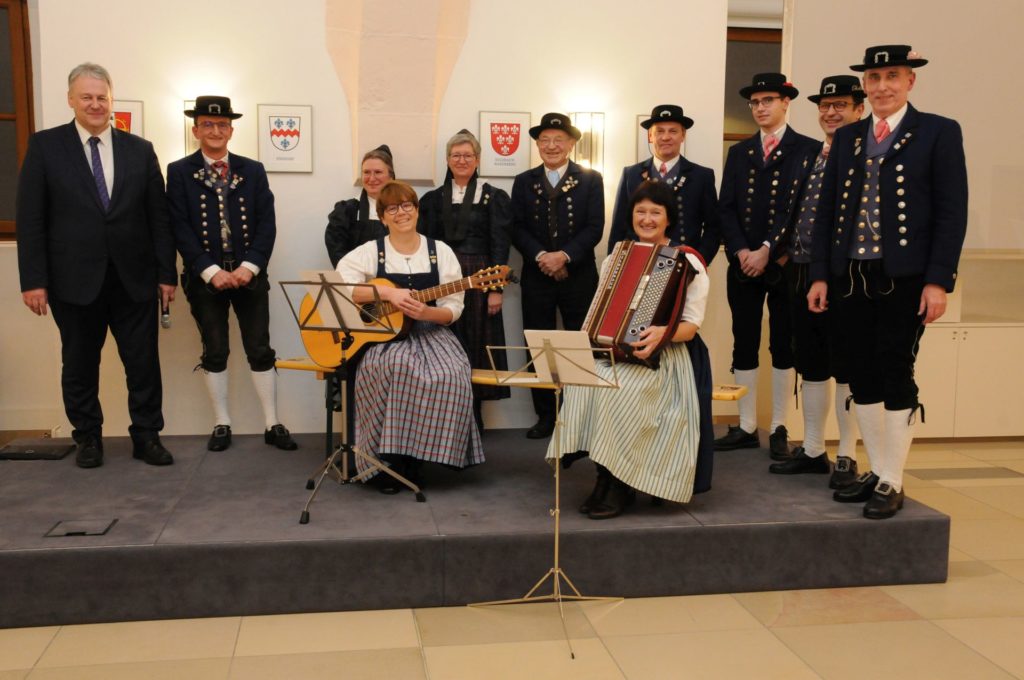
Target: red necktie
{"x":881,"y":130}
{"x":770,"y":142}
{"x":663,"y":169}
{"x":221,"y":168}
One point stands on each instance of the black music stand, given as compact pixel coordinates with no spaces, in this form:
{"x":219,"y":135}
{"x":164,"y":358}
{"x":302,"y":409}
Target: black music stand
{"x":335,"y":311}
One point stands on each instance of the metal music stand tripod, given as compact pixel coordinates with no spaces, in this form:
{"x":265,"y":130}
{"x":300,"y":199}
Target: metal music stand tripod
{"x":334,"y":311}
{"x":568,"y":364}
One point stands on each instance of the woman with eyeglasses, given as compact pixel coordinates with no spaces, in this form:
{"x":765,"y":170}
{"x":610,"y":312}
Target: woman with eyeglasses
{"x":475,"y":219}
{"x":354,"y":221}
{"x":415,"y":394}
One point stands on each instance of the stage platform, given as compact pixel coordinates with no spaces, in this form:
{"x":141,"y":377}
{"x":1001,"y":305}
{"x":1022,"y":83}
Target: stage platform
{"x":218,"y":534}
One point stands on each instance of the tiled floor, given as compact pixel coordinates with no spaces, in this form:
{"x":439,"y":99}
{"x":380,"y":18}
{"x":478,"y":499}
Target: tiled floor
{"x":971,"y":627}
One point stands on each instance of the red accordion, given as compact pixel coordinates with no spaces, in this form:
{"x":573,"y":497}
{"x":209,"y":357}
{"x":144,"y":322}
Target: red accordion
{"x":643,"y":285}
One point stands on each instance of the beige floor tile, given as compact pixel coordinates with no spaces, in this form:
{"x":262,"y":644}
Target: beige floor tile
{"x":974,"y":590}
{"x":328,"y":632}
{"x":998,"y":640}
{"x":958,"y":503}
{"x":22,"y":647}
{"x":911,"y":484}
{"x":657,"y":615}
{"x":140,"y":641}
{"x":707,"y":654}
{"x":192,"y":669}
{"x":1009,"y":499}
{"x":1017,"y":465}
{"x":980,"y":481}
{"x":14,"y":675}
{"x":376,"y":664}
{"x":992,"y":451}
{"x":895,"y":649}
{"x":545,"y":660}
{"x":1012,"y":568}
{"x":989,"y":539}
{"x":915,"y":463}
{"x":938,"y":456}
{"x":959,"y":556}
{"x":826,"y":606}
{"x":505,"y":623}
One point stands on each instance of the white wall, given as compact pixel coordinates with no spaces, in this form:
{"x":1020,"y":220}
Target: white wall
{"x":165,"y":52}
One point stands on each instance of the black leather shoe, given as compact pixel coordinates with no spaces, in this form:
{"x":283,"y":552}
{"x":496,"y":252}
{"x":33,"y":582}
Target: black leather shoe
{"x":220,"y":439}
{"x":596,"y":497}
{"x":884,"y":502}
{"x":778,"y":444}
{"x":859,"y":491}
{"x":279,"y":436}
{"x":542,"y":430}
{"x":619,"y":497}
{"x":800,"y":463}
{"x":844,"y":474}
{"x":152,"y":452}
{"x":89,"y":453}
{"x":737,"y":438}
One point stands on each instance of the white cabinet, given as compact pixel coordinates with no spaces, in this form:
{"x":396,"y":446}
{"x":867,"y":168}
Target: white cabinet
{"x":989,"y":399}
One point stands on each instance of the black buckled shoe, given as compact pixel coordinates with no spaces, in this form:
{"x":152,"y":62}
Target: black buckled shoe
{"x":279,"y":436}
{"x":619,"y":497}
{"x":884,"y":502}
{"x":542,"y":430}
{"x":604,"y":480}
{"x":737,"y":438}
{"x":800,"y":463}
{"x":220,"y":439}
{"x":152,"y":452}
{"x":89,"y":453}
{"x":778,"y":444}
{"x":844,"y":473}
{"x":859,"y":491}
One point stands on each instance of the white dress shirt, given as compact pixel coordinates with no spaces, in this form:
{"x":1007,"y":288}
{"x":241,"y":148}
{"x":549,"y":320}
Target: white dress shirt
{"x":106,"y":154}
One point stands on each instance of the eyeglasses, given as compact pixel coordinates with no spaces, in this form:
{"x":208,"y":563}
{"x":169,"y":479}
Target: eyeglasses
{"x":552,"y":141}
{"x":839,"y":107}
{"x":221,"y":125}
{"x":763,"y":101}
{"x":407,"y":206}
{"x":462,"y":157}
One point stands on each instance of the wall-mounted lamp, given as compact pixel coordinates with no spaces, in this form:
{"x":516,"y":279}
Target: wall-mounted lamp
{"x":589,"y":150}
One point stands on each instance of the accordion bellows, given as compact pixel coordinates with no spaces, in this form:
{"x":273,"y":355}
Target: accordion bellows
{"x":643,"y":285}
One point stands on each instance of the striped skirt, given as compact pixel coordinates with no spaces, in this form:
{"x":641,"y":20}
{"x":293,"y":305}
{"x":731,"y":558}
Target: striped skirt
{"x":646,"y":432}
{"x":414,"y":397}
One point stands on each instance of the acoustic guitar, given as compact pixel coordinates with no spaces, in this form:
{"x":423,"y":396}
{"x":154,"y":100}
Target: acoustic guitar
{"x":325,"y":347}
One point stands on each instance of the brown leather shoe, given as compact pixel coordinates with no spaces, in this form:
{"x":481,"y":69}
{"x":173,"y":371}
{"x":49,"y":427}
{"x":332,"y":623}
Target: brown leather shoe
{"x":884,"y":502}
{"x":596,"y":497}
{"x":619,"y":497}
{"x":844,"y":473}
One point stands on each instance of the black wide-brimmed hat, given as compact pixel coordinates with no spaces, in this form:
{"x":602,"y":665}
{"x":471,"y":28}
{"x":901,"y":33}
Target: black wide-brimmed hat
{"x":667,"y":113}
{"x":209,"y":105}
{"x":770,"y":82}
{"x":882,"y":56}
{"x":839,"y":86}
{"x":555,"y":121}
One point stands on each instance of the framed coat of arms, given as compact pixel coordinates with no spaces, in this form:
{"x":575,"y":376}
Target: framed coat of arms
{"x":286,"y":137}
{"x":505,"y":143}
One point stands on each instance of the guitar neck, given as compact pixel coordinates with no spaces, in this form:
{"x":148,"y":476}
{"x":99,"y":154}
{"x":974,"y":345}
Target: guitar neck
{"x":435,"y":292}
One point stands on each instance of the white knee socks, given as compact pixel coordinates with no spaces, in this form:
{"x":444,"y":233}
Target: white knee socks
{"x":748,"y":403}
{"x":816,"y":400}
{"x":265,"y":383}
{"x":782,"y":394}
{"x":899,"y":433}
{"x":217,"y":386}
{"x":871,"y":420}
{"x":847,"y":421}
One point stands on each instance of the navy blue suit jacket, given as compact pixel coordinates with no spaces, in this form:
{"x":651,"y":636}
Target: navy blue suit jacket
{"x":923,"y":187}
{"x":66,"y":240}
{"x":697,"y":221}
{"x":192,"y":198}
{"x":580,"y":208}
{"x":758,"y":196}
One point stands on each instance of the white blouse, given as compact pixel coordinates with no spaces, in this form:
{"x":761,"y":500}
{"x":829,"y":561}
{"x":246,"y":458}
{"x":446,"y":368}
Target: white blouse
{"x":360,"y":266}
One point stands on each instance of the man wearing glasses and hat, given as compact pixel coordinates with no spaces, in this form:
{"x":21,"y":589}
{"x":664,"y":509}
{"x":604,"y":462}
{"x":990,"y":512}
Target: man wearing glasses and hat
{"x":891,"y":225}
{"x":557,"y":220}
{"x":818,"y":346}
{"x":222,"y":211}
{"x":759,"y":185}
{"x":694,"y":185}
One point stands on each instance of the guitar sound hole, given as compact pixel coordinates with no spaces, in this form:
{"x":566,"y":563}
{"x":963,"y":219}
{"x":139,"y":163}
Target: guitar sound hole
{"x":368,"y":313}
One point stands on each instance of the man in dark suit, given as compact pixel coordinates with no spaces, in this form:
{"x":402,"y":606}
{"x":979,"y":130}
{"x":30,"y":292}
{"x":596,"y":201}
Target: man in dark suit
{"x":697,"y":222}
{"x":818,"y":347}
{"x":95,"y":245}
{"x":557,"y":220}
{"x":891,"y":226}
{"x":759,"y":185}
{"x":222,"y":211}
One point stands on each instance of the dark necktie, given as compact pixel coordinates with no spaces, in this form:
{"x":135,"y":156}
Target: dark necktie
{"x":97,"y":173}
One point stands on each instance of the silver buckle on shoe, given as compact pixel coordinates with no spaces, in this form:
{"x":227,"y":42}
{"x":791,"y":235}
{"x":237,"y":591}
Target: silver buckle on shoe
{"x":884,"y":489}
{"x":842,"y":464}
